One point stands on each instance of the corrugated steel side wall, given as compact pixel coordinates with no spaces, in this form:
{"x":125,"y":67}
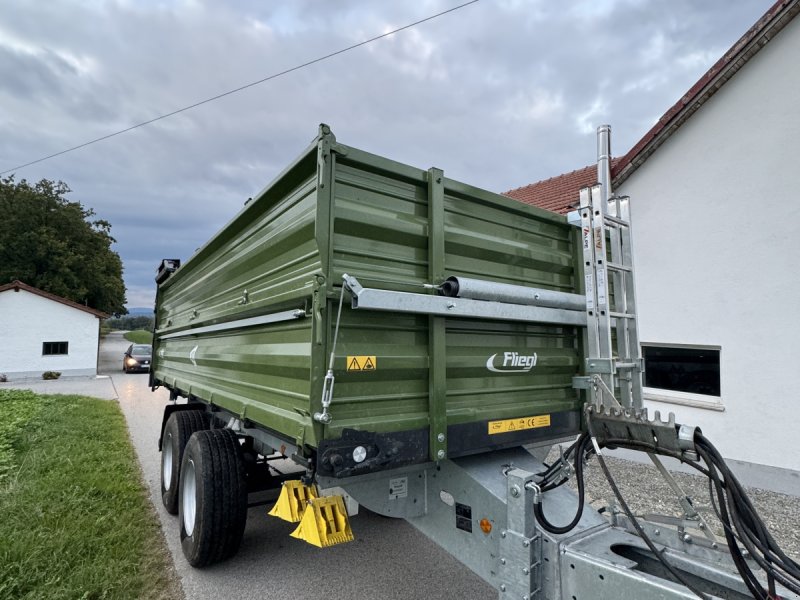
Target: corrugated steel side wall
{"x":263,"y":372}
{"x":280,"y":249}
{"x":381,"y":235}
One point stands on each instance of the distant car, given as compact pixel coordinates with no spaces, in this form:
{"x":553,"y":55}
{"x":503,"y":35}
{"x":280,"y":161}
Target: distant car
{"x":137,"y":358}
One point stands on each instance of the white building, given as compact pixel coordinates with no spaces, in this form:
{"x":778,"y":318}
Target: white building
{"x":42,"y":332}
{"x":714,"y":189}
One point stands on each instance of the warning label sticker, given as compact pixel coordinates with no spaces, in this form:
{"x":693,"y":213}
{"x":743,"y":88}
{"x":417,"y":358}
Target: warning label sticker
{"x":398,"y":488}
{"x":362,"y":363}
{"x":518,"y":424}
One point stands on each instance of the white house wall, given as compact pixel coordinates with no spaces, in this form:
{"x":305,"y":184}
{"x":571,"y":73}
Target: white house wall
{"x":27,"y":320}
{"x":716,"y":211}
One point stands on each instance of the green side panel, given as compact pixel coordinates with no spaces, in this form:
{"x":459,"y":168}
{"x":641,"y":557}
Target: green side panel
{"x":382,"y":236}
{"x":474,"y":393}
{"x":492,"y":237}
{"x":394,"y":396}
{"x":340,"y":210}
{"x":265,"y":261}
{"x":380,"y":225}
{"x":259,"y":373}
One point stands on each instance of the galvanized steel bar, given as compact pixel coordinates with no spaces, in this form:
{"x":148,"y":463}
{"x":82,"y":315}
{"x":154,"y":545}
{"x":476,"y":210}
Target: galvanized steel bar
{"x":407,"y":302}
{"x":478,"y":289}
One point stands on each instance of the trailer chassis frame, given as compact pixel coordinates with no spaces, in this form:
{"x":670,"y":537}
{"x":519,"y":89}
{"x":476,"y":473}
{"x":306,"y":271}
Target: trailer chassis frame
{"x":480,"y":510}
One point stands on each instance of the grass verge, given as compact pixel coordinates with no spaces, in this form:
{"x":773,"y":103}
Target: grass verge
{"x":76,"y":519}
{"x":140,"y":336}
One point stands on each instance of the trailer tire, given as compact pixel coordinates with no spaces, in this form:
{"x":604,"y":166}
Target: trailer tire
{"x":179,"y":428}
{"x":213,"y":497}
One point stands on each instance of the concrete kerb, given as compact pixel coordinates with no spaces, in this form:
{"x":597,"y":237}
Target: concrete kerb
{"x":101,"y":386}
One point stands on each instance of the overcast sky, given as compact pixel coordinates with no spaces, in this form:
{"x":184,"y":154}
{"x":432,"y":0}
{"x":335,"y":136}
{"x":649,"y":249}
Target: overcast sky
{"x":499,"y":94}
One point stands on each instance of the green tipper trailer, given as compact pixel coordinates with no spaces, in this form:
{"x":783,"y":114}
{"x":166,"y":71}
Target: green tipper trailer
{"x":416,"y":345}
{"x":248,"y":324}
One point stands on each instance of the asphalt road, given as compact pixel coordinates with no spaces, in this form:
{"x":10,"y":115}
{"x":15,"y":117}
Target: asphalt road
{"x":389,"y":559}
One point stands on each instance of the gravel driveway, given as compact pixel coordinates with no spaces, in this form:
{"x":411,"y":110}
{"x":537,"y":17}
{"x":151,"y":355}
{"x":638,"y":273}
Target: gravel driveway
{"x":646,"y":492}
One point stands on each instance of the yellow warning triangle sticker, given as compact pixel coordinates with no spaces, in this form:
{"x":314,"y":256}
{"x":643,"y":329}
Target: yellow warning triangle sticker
{"x":369,"y":365}
{"x":353,"y":365}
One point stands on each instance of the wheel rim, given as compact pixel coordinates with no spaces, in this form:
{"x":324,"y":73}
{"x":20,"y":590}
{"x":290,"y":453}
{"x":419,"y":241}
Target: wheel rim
{"x":166,"y":461}
{"x":188,"y":497}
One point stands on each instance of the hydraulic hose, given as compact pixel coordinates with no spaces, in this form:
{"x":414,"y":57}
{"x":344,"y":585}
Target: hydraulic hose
{"x":537,"y":508}
{"x":744,"y":529}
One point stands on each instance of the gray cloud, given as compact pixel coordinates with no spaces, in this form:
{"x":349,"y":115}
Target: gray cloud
{"x":499,"y":94}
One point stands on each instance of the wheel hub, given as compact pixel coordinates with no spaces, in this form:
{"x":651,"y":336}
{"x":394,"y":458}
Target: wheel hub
{"x":166,"y":461}
{"x":188,"y":497}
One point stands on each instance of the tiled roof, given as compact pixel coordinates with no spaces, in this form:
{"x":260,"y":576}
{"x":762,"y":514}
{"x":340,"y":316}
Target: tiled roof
{"x":18,"y":285}
{"x":559,"y":194}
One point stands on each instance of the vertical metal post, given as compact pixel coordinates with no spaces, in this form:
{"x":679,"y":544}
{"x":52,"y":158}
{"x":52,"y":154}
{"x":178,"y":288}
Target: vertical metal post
{"x":520,"y":561}
{"x":610,"y":292}
{"x":598,"y":213}
{"x":323,"y":286}
{"x":605,"y":365}
{"x":437,"y":344}
{"x":593,"y":348}
{"x":635,"y":351}
{"x":325,"y":198}
{"x":621,"y":309}
{"x":604,"y":163}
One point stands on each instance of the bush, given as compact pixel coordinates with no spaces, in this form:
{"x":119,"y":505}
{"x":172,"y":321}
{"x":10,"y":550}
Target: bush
{"x":130,"y":323}
{"x":51,"y":374}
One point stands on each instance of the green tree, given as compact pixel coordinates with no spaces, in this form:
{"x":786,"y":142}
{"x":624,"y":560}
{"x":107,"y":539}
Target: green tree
{"x":53,"y":244}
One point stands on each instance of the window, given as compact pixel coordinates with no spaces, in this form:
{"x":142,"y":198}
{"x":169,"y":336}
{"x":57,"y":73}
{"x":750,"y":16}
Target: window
{"x":55,"y":348}
{"x":683,"y":374}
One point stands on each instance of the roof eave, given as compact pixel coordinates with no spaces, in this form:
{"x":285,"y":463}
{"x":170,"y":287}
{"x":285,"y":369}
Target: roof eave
{"x":19,"y":285}
{"x":749,"y":44}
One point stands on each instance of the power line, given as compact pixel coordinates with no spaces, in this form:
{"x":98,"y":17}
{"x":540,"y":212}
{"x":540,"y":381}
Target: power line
{"x":243,"y":87}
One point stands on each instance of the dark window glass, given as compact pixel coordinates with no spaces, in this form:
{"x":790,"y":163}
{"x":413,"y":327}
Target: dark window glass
{"x":692,"y":370}
{"x":53,"y":348}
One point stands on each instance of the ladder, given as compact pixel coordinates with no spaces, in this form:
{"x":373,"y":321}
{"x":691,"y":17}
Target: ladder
{"x":614,"y":361}
{"x":615,"y":369}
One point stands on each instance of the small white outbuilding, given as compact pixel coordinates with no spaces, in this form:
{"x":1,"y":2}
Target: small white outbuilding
{"x":42,"y":332}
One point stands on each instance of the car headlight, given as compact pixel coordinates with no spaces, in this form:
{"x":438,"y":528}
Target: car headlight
{"x":132,"y":361}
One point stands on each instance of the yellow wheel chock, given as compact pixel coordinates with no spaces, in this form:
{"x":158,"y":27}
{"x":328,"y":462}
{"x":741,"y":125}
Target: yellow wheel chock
{"x":324,"y":522}
{"x":292,"y":501}
{"x":323,"y":519}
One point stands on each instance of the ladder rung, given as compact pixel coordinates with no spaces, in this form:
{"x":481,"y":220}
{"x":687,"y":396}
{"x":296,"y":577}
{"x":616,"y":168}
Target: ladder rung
{"x":618,"y":267}
{"x":619,"y":315}
{"x":615,"y":221}
{"x":626,"y":366}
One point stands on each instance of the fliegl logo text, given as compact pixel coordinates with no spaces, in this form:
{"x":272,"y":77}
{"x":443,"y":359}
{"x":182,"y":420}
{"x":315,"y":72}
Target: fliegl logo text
{"x":512,"y":362}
